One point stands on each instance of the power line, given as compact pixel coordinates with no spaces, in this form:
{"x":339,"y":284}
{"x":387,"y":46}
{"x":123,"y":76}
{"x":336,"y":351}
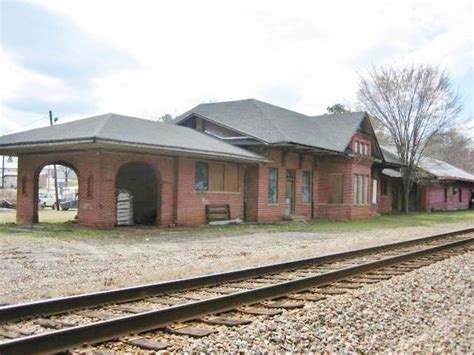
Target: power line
{"x":21,"y":127}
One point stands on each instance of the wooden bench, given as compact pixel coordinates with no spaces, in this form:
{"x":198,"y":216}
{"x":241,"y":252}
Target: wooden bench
{"x":217,"y":213}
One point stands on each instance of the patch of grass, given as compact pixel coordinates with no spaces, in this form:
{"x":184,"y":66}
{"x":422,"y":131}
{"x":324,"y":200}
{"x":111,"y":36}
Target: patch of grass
{"x":54,"y":225}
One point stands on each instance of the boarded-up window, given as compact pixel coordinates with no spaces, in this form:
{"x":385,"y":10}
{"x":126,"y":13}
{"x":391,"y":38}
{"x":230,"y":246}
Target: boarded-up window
{"x":216,"y":177}
{"x":460,"y":195}
{"x":272,"y":185}
{"x":374,"y":191}
{"x":361,"y":189}
{"x":231,"y":178}
{"x":201,"y":176}
{"x":445,"y":194}
{"x":366,"y":190}
{"x":336,"y":188}
{"x":306,"y":186}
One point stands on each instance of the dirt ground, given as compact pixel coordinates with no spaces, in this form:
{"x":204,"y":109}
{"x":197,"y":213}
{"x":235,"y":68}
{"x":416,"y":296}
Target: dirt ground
{"x":34,"y":267}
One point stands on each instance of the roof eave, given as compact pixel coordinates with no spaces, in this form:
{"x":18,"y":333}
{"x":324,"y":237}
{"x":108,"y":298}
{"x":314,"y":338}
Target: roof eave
{"x":28,"y":147}
{"x":257,"y":159}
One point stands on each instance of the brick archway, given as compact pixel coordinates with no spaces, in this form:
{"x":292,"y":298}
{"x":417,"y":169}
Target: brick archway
{"x":142,"y":180}
{"x":36,"y":178}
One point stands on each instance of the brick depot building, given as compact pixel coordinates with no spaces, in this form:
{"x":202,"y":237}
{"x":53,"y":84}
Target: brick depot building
{"x":265,"y":162}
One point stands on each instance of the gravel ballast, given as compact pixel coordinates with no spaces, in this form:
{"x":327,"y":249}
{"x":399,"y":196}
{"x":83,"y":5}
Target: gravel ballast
{"x":40,"y":267}
{"x":428,"y":310}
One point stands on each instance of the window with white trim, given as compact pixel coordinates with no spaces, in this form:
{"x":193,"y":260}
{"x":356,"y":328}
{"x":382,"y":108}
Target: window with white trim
{"x":374,"y":191}
{"x":360,"y":189}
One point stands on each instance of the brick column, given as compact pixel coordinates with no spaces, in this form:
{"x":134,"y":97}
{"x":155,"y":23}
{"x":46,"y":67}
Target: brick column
{"x":27,"y":200}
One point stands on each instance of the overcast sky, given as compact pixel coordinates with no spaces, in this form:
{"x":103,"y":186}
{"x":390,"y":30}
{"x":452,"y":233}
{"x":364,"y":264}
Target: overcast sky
{"x":149,"y":58}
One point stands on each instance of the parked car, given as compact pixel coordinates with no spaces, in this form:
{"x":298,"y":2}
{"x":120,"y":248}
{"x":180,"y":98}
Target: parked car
{"x":46,"y":199}
{"x":67,"y":204}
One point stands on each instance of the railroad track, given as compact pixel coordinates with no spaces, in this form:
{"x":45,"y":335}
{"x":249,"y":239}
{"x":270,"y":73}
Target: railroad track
{"x":229,"y":298}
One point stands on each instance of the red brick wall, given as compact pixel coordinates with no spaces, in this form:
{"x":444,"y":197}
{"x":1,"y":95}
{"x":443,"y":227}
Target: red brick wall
{"x":283,"y":162}
{"x":434,"y":196}
{"x":251,"y":193}
{"x":163,"y":167}
{"x":191,"y":203}
{"x":97,"y":203}
{"x":348,"y":167}
{"x":385,"y":201}
{"x":85,"y":163}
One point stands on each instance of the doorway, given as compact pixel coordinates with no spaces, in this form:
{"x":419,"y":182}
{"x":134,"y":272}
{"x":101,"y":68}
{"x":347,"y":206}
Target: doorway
{"x":141,"y":183}
{"x":290,"y":192}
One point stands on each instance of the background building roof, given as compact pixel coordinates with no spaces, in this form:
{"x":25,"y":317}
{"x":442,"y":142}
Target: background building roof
{"x":276,"y":125}
{"x":113,"y":129}
{"x":444,"y":171}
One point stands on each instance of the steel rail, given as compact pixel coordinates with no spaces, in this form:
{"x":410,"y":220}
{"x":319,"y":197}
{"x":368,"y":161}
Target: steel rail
{"x":111,"y":329}
{"x":72,"y":303}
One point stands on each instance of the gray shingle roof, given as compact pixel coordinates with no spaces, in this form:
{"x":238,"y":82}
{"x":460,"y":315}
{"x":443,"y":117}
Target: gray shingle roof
{"x":117,"y":129}
{"x":437,"y":168}
{"x":443,"y":170}
{"x":390,"y":156}
{"x":273,"y":125}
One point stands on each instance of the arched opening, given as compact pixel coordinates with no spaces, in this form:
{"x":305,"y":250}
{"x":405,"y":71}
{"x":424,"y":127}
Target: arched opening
{"x":59,"y":179}
{"x":141,"y":183}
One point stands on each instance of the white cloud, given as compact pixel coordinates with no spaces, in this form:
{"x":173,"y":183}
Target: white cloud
{"x":193,"y":51}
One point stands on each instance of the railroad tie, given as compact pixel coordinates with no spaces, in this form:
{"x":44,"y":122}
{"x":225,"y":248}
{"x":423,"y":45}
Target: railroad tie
{"x":348,"y":285}
{"x":129,"y":309}
{"x":376,"y":277}
{"x":97,"y":315}
{"x":190,"y":331}
{"x":362,"y":279}
{"x":165,"y":301}
{"x":14,"y":329}
{"x":283,"y":304}
{"x":9,"y":334}
{"x":329,"y":291}
{"x":260,"y":311}
{"x":148,"y":344}
{"x":225,"y":290}
{"x":387,"y":273}
{"x":307,"y":297}
{"x":53,"y":324}
{"x":230,"y":322}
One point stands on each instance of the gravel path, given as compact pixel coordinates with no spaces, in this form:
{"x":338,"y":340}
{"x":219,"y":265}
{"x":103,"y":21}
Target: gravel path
{"x":39,"y":267}
{"x":427,"y":310}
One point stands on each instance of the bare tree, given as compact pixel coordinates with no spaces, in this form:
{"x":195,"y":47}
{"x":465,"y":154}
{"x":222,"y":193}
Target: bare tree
{"x":412,"y":105}
{"x":453,"y":147}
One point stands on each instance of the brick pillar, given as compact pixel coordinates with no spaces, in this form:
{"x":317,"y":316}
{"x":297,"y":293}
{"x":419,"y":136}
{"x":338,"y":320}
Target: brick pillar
{"x":27,"y":199}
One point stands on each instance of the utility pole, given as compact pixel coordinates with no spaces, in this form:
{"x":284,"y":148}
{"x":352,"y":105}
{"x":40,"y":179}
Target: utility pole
{"x":3,"y":171}
{"x":51,"y":122}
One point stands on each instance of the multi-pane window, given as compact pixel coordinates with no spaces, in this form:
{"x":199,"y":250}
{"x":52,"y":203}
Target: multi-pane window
{"x":201,"y":176}
{"x":361,"y":189}
{"x":216,"y":177}
{"x":306,"y":186}
{"x":272,"y":185}
{"x":336,"y":188}
{"x":361,"y":148}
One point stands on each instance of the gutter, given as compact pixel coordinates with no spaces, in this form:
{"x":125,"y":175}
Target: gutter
{"x":95,"y":140}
